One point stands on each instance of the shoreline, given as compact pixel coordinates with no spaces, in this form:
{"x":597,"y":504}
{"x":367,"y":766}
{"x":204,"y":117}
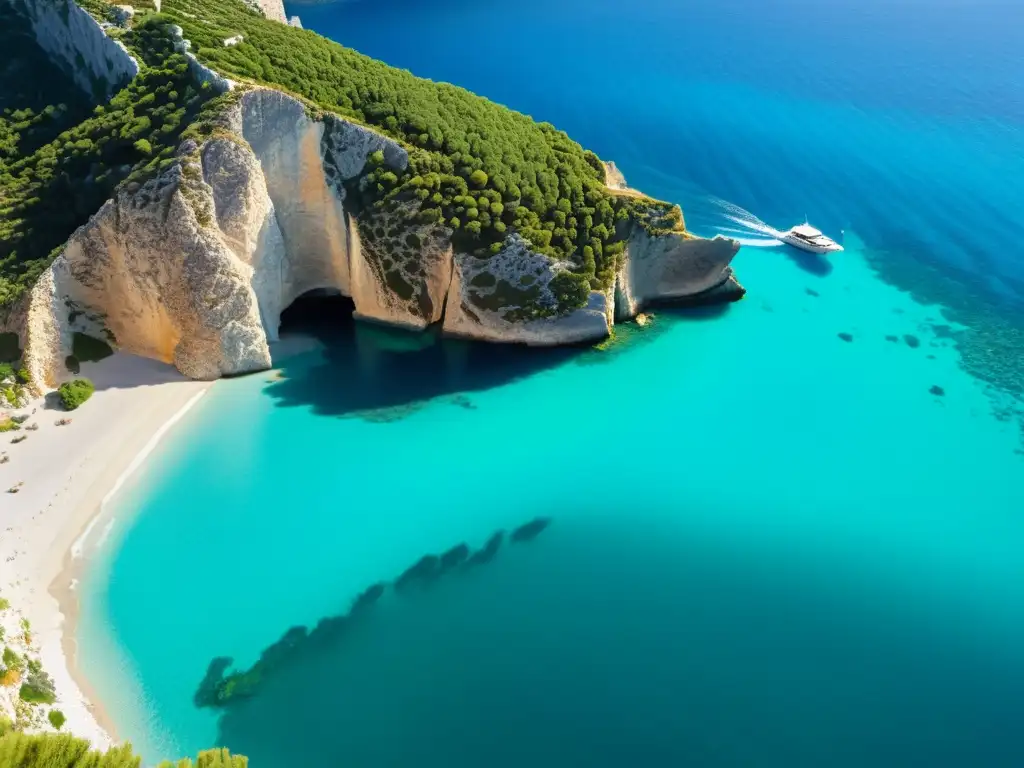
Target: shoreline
{"x":62,"y":586}
{"x":71,"y":473}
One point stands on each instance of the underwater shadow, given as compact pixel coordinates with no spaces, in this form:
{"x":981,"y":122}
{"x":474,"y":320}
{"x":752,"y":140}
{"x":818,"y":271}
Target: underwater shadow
{"x":223,"y":687}
{"x":812,"y":263}
{"x":382,"y":373}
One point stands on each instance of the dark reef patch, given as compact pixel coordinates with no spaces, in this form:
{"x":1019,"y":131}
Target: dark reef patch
{"x":530,"y":530}
{"x":912,"y":341}
{"x":221,"y":687}
{"x":811,"y":292}
{"x":848,"y":337}
{"x":992,"y":321}
{"x":893,"y":339}
{"x":488,"y":552}
{"x":937,"y":390}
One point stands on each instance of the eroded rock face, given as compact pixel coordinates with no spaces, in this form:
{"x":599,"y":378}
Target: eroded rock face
{"x":400,"y":270}
{"x":99,"y":64}
{"x":305,"y":163}
{"x":488,"y":300}
{"x":672,"y":267}
{"x":167,"y":281}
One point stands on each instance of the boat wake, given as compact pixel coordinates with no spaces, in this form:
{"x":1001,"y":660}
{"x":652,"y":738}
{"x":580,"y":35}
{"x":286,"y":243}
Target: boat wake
{"x":746,"y":228}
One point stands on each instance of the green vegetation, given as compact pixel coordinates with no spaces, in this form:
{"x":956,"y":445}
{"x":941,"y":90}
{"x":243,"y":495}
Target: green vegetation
{"x":12,"y":660}
{"x":29,"y":116}
{"x":38,"y":687}
{"x":56,"y":718}
{"x":4,"y":605}
{"x":19,"y":750}
{"x":74,"y":393}
{"x":475,"y":166}
{"x":89,"y":349}
{"x":50,"y":190}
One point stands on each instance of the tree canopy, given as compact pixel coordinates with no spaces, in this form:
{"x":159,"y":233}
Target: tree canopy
{"x":60,"y":162}
{"x":19,"y":750}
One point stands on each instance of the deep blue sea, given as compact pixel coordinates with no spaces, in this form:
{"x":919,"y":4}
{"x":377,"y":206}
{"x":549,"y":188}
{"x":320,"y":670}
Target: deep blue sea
{"x":767,"y":544}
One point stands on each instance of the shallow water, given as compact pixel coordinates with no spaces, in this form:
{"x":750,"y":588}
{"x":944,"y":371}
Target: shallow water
{"x":769,"y":545}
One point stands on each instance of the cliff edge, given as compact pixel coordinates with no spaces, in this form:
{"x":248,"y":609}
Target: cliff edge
{"x":195,"y":266}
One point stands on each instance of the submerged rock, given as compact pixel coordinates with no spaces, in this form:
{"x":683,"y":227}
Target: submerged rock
{"x":367,"y":598}
{"x":811,"y":292}
{"x":912,"y":341}
{"x":206,"y":695}
{"x":454,"y":557}
{"x":937,"y":390}
{"x":893,"y":339}
{"x":426,"y":570}
{"x":845,"y":336}
{"x":489,"y":550}
{"x":531,"y":530}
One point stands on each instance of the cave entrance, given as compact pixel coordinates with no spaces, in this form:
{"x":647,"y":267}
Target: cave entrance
{"x":321,"y":312}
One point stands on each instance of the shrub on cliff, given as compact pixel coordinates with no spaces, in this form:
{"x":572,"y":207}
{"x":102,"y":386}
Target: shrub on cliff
{"x":37,"y":689}
{"x":12,"y":660}
{"x":62,"y":750}
{"x":74,"y":393}
{"x":56,"y":718}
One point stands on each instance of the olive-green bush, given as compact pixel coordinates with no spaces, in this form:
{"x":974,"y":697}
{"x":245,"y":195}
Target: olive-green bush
{"x":75,"y":392}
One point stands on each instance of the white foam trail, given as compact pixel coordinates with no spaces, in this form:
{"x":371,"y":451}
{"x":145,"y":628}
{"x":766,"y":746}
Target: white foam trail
{"x":750,"y":242}
{"x":748,"y":226}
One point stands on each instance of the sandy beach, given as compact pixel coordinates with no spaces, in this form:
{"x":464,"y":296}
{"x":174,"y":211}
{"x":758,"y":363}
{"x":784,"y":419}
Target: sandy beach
{"x":67,"y":473}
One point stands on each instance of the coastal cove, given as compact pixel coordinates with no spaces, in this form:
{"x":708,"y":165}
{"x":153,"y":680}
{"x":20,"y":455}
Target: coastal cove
{"x":927,"y":540}
{"x":427,"y":440}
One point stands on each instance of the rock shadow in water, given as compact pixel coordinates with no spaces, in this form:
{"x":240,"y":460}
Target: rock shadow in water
{"x":383,"y":374}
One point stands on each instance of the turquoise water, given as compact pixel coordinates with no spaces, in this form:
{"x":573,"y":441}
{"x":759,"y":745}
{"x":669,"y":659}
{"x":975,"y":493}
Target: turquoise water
{"x":768,"y":545}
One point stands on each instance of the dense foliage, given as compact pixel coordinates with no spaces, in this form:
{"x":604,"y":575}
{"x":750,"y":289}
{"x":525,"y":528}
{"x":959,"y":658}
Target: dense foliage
{"x":18,"y":750}
{"x":75,"y":392}
{"x":476,"y":166}
{"x":29,"y":83}
{"x":45,"y":194}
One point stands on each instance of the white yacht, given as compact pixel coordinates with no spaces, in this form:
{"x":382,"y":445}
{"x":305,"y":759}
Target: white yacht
{"x":807,"y":238}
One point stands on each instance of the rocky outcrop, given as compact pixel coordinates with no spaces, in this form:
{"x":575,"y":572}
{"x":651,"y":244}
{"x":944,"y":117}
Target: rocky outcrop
{"x":670,"y":268}
{"x":496,"y":299}
{"x":196,"y":266}
{"x":170,"y":273}
{"x":99,"y":65}
{"x":272,"y":9}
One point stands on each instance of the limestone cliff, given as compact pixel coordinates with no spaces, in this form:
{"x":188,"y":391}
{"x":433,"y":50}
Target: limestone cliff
{"x":169,"y":272}
{"x":491,"y":300}
{"x":99,"y":64}
{"x":196,"y":266}
{"x":672,"y":268}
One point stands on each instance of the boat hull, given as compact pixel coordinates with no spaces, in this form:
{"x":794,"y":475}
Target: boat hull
{"x":796,"y":242}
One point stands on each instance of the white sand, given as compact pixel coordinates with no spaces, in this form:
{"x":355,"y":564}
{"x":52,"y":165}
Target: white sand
{"x":68,"y":472}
